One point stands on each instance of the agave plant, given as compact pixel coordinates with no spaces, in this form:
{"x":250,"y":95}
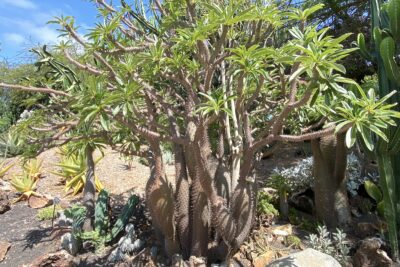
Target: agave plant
{"x":73,"y":172}
{"x":10,"y":146}
{"x":26,"y":185}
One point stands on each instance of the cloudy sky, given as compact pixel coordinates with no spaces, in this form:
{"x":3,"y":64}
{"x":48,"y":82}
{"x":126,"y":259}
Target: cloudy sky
{"x":23,"y":23}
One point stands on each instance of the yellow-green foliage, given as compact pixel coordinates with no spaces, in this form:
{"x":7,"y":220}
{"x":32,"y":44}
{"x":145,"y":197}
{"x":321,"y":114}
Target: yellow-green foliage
{"x":33,"y":168}
{"x":264,"y":205}
{"x":4,"y":168}
{"x":73,"y":171}
{"x":48,"y":212}
{"x":293,"y":241}
{"x":25,"y":185}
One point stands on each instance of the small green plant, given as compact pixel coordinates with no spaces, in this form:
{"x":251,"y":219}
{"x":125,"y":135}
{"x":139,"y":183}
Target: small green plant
{"x":264,"y":205}
{"x":47,"y":213}
{"x":334,"y":244}
{"x":376,"y":194}
{"x":281,"y":184}
{"x":10,"y":145}
{"x":293,"y":241}
{"x":302,"y":223}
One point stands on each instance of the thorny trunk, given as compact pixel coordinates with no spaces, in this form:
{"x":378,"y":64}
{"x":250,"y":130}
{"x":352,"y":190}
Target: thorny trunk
{"x":330,"y":160}
{"x":211,"y":226}
{"x":89,"y":190}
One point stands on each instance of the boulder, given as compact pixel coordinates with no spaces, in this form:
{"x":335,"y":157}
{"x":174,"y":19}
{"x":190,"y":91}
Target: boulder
{"x":70,"y":243}
{"x":370,"y":254}
{"x":306,"y":258}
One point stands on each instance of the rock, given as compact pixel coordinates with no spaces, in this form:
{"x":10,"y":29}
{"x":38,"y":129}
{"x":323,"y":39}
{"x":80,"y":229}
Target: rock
{"x":4,"y":247}
{"x":370,"y":254}
{"x":4,"y":202}
{"x":282,"y":230}
{"x":5,"y":186}
{"x":264,"y":259}
{"x":116,"y":255}
{"x":369,"y":224}
{"x":63,"y":221}
{"x":306,"y":258}
{"x":38,"y":202}
{"x":58,"y":259}
{"x":70,"y":243}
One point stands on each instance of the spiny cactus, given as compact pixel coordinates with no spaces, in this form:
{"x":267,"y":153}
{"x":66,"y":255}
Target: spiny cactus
{"x":386,"y":37}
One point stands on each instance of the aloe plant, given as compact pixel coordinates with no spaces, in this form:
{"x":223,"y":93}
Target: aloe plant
{"x":26,"y":185}
{"x":73,"y":172}
{"x":386,"y":36}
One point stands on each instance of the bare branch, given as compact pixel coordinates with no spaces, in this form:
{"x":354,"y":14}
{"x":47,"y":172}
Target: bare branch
{"x":33,"y":89}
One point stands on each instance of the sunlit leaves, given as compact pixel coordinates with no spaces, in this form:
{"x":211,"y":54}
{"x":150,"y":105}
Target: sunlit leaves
{"x":214,"y":104}
{"x":366,"y":114}
{"x":250,"y":61}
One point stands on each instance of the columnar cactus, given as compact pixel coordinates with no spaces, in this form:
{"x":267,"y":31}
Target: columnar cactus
{"x":386,"y":37}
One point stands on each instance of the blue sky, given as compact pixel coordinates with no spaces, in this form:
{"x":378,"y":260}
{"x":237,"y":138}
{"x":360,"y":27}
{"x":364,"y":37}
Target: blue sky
{"x":23,"y":24}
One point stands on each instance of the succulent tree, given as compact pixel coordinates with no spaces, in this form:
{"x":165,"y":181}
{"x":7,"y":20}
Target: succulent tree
{"x":216,"y":82}
{"x":385,"y":52}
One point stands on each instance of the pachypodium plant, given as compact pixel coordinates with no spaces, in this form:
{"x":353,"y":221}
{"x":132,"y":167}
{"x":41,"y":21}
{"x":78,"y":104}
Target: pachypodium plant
{"x":199,"y":77}
{"x":385,"y":24}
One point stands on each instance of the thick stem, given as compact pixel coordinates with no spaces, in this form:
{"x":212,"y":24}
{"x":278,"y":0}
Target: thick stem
{"x":330,"y":161}
{"x":283,"y":204}
{"x":89,"y":190}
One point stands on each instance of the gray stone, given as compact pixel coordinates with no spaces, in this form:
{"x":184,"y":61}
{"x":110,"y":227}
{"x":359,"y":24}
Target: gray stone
{"x":70,"y":243}
{"x":306,"y":258}
{"x":63,"y":221}
{"x":116,"y":255}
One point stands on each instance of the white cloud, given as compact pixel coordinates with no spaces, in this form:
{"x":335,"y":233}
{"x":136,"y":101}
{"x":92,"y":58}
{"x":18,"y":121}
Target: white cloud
{"x":26,"y":4}
{"x":37,"y":32}
{"x":15,"y":38}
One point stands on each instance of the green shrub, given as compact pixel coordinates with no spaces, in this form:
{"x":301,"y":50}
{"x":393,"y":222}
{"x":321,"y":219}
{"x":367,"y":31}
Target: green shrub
{"x":48,"y":212}
{"x":293,"y":241}
{"x":264,"y":205}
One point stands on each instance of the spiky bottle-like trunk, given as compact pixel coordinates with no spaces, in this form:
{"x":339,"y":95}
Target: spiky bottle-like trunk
{"x":330,"y":160}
